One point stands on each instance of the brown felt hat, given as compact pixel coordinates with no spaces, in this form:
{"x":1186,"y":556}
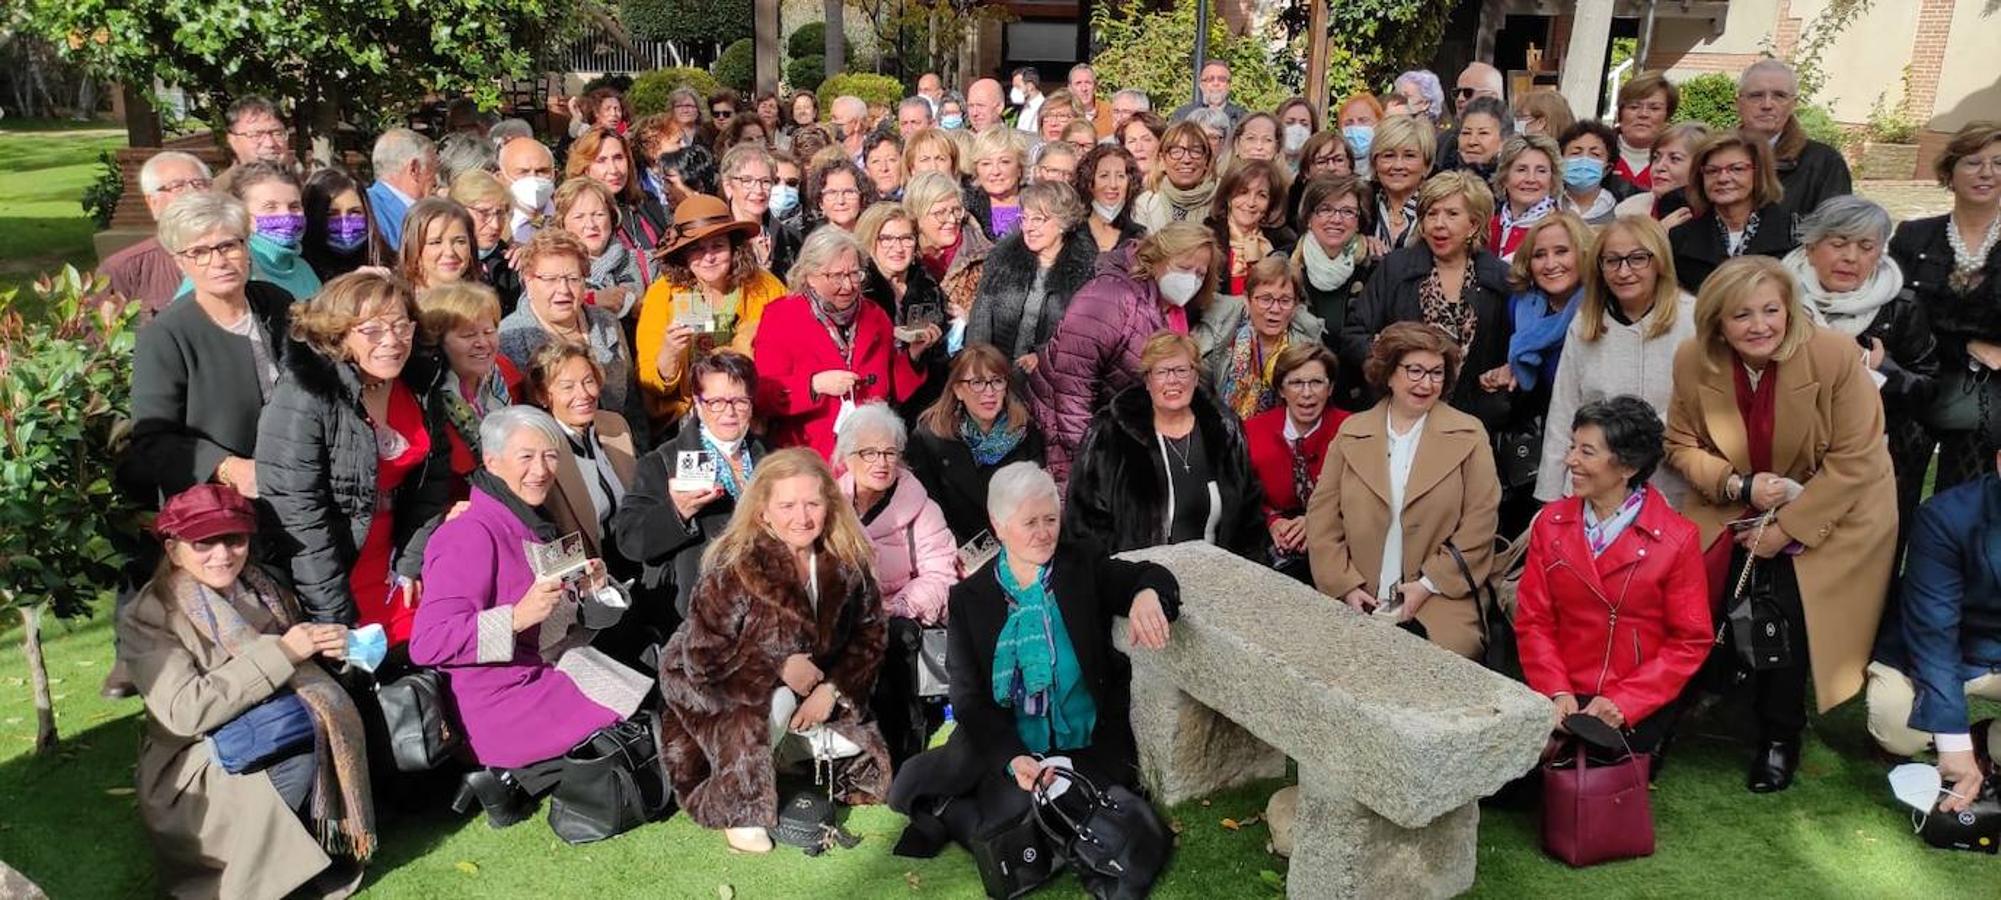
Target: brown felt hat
{"x":699,"y":216}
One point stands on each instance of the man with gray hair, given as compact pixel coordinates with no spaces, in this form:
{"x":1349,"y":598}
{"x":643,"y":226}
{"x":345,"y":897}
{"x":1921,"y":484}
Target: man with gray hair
{"x":464,"y":151}
{"x":912,"y":116}
{"x":406,"y":171}
{"x":1084,"y":86}
{"x":145,"y":271}
{"x":1810,"y":171}
{"x":850,"y":118}
{"x":1127,"y":102}
{"x":1214,"y":79}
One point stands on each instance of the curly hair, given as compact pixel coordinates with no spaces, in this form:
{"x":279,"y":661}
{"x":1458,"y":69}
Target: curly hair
{"x":1085,"y":179}
{"x":322,"y":323}
{"x":1402,"y":339}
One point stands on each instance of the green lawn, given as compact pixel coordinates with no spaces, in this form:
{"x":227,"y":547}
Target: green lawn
{"x":1835,"y":834}
{"x":44,"y":168}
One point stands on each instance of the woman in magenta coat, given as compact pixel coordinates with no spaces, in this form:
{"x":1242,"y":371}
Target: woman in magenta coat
{"x":1612,"y":615}
{"x":823,"y":349}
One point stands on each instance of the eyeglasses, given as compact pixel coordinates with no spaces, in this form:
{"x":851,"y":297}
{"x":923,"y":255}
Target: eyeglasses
{"x":1350,"y":213}
{"x":851,"y":275}
{"x":789,"y":182}
{"x":721,"y":112}
{"x":568,"y":281}
{"x":943,"y":216}
{"x":1186,"y":153}
{"x":1274,"y":301}
{"x":687,"y":107}
{"x":840,"y":194}
{"x":1171,"y":373}
{"x":896,"y":239}
{"x":1465,"y":93}
{"x":873,"y":455}
{"x":1416,"y":372}
{"x":716,"y":406}
{"x":1328,"y":159}
{"x":185,"y":184}
{"x":748,"y":183}
{"x":1737,"y":169}
{"x":484,"y":213}
{"x":1656,"y":107}
{"x":234,"y":248}
{"x":988,"y":385}
{"x":1305,"y":384}
{"x":1035,"y":220}
{"x":1636,"y":261}
{"x":378,"y":330}
{"x":271,"y":135}
{"x":1979,"y":164}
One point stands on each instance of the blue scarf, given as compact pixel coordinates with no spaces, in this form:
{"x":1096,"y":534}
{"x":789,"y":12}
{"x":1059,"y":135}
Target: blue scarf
{"x":1538,"y":340}
{"x":1032,"y":674}
{"x":724,"y":473}
{"x":995,"y":443}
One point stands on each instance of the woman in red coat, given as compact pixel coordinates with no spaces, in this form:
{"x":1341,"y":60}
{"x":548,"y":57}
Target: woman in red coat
{"x":1288,"y":444}
{"x":1613,"y":610}
{"x":824,"y":351}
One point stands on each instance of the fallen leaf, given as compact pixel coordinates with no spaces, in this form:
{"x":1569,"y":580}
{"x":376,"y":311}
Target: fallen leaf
{"x":1231,"y":824}
{"x":467,"y":866}
{"x":1174,"y":825}
{"x":120,"y":791}
{"x":725,"y":892}
{"x":911,"y":878}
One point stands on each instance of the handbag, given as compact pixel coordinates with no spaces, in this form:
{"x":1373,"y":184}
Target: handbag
{"x":1015,"y":857}
{"x":417,"y":710}
{"x":612,"y":782}
{"x":1499,"y":651}
{"x":807,"y":820}
{"x":1117,"y":845}
{"x":933,"y":679}
{"x":1593,"y":814}
{"x":272,"y":730}
{"x":1962,"y":401}
{"x":1518,"y":453}
{"x":1759,"y":632}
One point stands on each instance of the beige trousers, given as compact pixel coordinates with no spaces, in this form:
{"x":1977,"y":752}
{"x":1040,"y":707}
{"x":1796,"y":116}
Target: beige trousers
{"x":1891,"y":695}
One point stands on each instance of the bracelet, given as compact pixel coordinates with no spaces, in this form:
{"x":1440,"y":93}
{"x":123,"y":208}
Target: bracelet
{"x":222,"y":473}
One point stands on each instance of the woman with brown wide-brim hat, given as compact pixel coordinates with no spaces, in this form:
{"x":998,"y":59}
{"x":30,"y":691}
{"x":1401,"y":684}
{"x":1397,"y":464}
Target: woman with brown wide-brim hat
{"x":711,"y":292}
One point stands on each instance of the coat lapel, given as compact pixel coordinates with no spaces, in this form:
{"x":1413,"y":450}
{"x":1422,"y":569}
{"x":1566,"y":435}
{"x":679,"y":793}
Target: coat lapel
{"x":576,"y":500}
{"x":1368,"y":451}
{"x":1571,"y":548}
{"x":1073,"y":597}
{"x":1445,"y":443}
{"x":615,"y":436}
{"x":1792,"y":427}
{"x":1718,"y":390}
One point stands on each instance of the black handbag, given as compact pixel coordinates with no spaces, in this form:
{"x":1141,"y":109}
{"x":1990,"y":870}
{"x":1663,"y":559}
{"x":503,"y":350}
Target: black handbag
{"x":1499,"y":651}
{"x":808,"y":820}
{"x":273,"y":729}
{"x":612,"y":782}
{"x":1117,"y":845}
{"x":1963,"y":401}
{"x":1518,"y":453}
{"x":417,"y":710}
{"x":1760,"y":633}
{"x":1015,"y":857}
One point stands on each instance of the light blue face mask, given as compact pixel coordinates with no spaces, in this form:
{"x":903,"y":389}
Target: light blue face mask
{"x":1359,"y":137}
{"x":784,"y":199}
{"x":953,"y":121}
{"x":366,"y":646}
{"x":1580,"y":172}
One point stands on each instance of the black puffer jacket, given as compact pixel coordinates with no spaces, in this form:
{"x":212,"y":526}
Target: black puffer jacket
{"x":1002,"y":299}
{"x":316,"y":467}
{"x":1391,"y":296}
{"x":1118,"y":485}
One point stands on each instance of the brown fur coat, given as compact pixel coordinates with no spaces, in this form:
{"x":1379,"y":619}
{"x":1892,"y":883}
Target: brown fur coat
{"x":718,"y":672}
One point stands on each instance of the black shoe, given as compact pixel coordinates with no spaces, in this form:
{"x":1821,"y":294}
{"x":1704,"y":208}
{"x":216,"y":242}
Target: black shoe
{"x":505,"y":803}
{"x":1772,"y":769}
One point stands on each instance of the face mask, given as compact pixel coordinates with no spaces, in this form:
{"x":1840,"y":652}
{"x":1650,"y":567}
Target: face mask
{"x":784,"y":199}
{"x":531,"y":194}
{"x":1522,"y":126}
{"x":1582,"y":171}
{"x":1105,"y":211}
{"x":1017,"y":96}
{"x":1295,"y":137}
{"x":1359,"y":137}
{"x":366,"y":646}
{"x":285,"y":228}
{"x":346,"y":234}
{"x":1179,"y":287}
{"x":953,"y":121}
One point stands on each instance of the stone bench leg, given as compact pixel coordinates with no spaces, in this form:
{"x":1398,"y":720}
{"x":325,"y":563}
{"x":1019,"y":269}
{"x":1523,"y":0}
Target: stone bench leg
{"x":1342,"y":849}
{"x":1186,"y":749}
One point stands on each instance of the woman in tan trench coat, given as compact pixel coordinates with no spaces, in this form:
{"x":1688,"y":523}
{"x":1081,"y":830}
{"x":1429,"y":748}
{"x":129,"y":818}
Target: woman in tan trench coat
{"x":1413,"y":473}
{"x":204,"y":645}
{"x":1771,"y":413}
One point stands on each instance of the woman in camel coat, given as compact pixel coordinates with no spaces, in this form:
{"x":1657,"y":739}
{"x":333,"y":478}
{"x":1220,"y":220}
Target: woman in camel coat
{"x":1824,"y":433}
{"x":1419,"y":470}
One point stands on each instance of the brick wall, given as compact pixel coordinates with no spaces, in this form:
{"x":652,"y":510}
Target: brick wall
{"x":1928,"y":57}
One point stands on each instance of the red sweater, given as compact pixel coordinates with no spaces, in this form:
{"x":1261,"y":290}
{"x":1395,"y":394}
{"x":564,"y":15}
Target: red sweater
{"x":1271,"y":457}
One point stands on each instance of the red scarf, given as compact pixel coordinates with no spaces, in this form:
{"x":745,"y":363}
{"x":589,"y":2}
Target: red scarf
{"x":1760,"y":407}
{"x":936,"y":267}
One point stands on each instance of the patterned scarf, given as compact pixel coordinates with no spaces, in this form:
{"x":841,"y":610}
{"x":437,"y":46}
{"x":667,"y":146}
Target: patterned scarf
{"x":1395,"y":239}
{"x":1600,"y":535}
{"x":735,"y":470}
{"x":1456,"y":317}
{"x":1248,"y":389}
{"x":1534,"y":214}
{"x":1185,"y":202}
{"x":994,"y":444}
{"x":840,"y":323}
{"x":1730,"y":250}
{"x":465,"y":414}
{"x":609,"y":267}
{"x":343,"y":814}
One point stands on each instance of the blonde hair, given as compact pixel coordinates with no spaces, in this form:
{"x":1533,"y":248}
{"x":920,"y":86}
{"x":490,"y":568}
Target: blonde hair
{"x":1164,"y":345}
{"x":929,"y":139}
{"x":1551,"y":108}
{"x":841,"y":535}
{"x":925,"y":190}
{"x":475,"y":185}
{"x":1519,"y":276}
{"x":1404,"y":132}
{"x":869,"y":227}
{"x":1734,"y":281}
{"x":1459,"y":183}
{"x":997,"y":140}
{"x":449,"y":307}
{"x":553,"y":242}
{"x":1172,"y":240}
{"x":1665,"y":306}
{"x":322,"y":323}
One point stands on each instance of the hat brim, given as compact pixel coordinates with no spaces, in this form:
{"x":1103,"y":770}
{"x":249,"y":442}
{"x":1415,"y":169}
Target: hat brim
{"x":746,"y":229}
{"x":210,"y":525}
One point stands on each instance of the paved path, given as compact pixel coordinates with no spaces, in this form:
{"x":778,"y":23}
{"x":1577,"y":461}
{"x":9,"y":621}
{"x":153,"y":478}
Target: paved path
{"x":1907,"y":199}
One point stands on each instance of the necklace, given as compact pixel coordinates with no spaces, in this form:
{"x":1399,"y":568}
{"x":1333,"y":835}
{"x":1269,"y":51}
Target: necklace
{"x":1179,"y":447}
{"x":1966,"y":263}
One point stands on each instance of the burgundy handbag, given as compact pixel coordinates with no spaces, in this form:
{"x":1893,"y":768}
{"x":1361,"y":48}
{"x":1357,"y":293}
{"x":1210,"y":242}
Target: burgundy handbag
{"x":1593,"y":814}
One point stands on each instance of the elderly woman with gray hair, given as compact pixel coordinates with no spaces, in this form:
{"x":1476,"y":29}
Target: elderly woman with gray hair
{"x":1034,"y":674}
{"x":1850,"y":284}
{"x":1032,"y":274}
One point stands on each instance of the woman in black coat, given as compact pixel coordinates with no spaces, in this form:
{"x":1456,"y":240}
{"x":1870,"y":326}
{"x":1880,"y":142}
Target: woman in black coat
{"x":347,"y":422}
{"x":993,"y":758}
{"x":1332,"y":265}
{"x":893,"y":280}
{"x":977,"y":426}
{"x":1032,"y":273}
{"x":1418,"y":283}
{"x":1164,"y":462}
{"x":1734,"y":193}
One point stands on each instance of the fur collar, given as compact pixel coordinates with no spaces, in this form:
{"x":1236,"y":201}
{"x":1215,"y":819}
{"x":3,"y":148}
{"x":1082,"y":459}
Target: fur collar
{"x":1132,"y":410}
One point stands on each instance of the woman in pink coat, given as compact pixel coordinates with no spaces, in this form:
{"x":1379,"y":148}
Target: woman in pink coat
{"x":916,"y":564}
{"x":823,"y":352}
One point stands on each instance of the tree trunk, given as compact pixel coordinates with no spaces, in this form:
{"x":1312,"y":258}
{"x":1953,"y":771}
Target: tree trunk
{"x":38,"y":675}
{"x":769,"y":44}
{"x":836,"y":52}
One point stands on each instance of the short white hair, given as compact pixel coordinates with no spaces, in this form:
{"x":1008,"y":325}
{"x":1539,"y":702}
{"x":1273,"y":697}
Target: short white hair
{"x":149,"y":174}
{"x":195,"y":214}
{"x":1145,"y":102}
{"x":501,"y":424}
{"x":823,"y":246}
{"x":1769,"y":64}
{"x":508,"y":129}
{"x":854,"y":104}
{"x":869,"y":419}
{"x":1016,"y":483}
{"x":1211,"y":119}
{"x":917,"y":103}
{"x":399,"y":147}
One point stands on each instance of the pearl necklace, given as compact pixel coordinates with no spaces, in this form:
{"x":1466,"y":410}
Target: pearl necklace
{"x":1966,"y":263}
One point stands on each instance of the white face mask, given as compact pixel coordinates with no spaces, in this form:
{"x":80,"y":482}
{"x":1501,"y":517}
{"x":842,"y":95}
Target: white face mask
{"x":1522,"y":126}
{"x":1016,"y":96}
{"x":1105,"y":211}
{"x":1295,"y":137}
{"x":1179,"y":287}
{"x":531,"y":194}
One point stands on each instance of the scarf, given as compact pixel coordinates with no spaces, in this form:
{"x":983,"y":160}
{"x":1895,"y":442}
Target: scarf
{"x":994,"y":444}
{"x":1734,"y":249}
{"x":1600,"y":535}
{"x":1759,"y":406}
{"x":342,"y":810}
{"x":937,"y":266}
{"x":1183,"y":202}
{"x":1024,"y":673}
{"x":736,"y":467}
{"x":1456,"y":318}
{"x":609,"y":267}
{"x":1395,"y":239}
{"x":465,"y":414}
{"x":1247,"y":378}
{"x":840,"y":324}
{"x":1530,"y":216}
{"x":283,"y":266}
{"x":1327,"y":273}
{"x":1538,"y":337}
{"x":1850,"y":313}
{"x":538,"y":521}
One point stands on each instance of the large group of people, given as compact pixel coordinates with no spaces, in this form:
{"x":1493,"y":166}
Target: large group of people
{"x":794,"y":395}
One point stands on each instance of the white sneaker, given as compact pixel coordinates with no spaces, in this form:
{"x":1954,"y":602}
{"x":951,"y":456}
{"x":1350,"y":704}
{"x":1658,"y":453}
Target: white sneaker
{"x":748,"y":840}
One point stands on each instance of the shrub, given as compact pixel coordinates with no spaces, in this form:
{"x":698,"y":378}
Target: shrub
{"x":1819,"y":124}
{"x":809,"y":40}
{"x":737,"y":67}
{"x":687,"y":21}
{"x":100,"y":198}
{"x":875,"y":90}
{"x":1710,"y":98}
{"x":649,"y":91}
{"x":805,"y":71}
{"x":1148,"y":51}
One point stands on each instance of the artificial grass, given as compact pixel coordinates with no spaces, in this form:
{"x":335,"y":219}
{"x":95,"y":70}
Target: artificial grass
{"x":70,"y":824}
{"x":43,"y":172}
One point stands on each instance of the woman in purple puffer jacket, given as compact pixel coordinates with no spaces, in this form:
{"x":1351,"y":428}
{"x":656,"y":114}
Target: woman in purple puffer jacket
{"x":1164,"y":281}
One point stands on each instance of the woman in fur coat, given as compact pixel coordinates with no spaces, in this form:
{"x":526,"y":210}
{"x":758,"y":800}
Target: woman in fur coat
{"x":778,"y":656}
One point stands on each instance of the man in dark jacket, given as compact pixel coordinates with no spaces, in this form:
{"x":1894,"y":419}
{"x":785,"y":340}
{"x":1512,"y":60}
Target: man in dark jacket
{"x":1943,"y":643}
{"x":1810,"y":171}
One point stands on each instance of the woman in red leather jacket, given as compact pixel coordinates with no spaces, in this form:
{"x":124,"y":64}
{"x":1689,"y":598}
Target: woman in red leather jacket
{"x":1612,"y":614}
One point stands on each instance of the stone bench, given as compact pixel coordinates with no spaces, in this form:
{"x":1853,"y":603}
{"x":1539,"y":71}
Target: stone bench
{"x":1396,"y":739}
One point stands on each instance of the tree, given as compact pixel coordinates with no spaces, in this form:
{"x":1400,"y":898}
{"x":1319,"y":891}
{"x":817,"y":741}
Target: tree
{"x":698,"y":28}
{"x":1378,"y":39}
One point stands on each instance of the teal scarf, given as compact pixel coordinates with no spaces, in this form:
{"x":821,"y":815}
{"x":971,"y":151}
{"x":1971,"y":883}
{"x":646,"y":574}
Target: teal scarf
{"x":276,"y":263}
{"x":1036,"y":672}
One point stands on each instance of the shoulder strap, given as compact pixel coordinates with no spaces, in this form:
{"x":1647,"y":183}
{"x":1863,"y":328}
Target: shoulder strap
{"x":1466,"y":572}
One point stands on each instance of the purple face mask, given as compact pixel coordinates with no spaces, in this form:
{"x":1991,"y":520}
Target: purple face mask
{"x":346,"y":234}
{"x":285,"y":228}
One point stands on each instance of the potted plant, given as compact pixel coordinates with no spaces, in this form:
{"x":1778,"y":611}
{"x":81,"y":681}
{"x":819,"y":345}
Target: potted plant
{"x":1889,"y":148}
